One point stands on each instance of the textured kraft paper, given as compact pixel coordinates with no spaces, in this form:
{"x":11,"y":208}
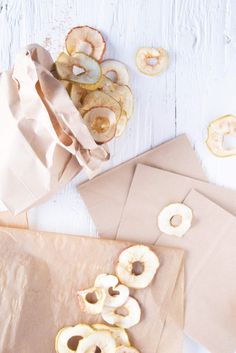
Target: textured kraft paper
{"x":210,"y":247}
{"x":151,"y":190}
{"x":8,"y":220}
{"x":105,"y":195}
{"x":43,"y":140}
{"x":41,"y":272}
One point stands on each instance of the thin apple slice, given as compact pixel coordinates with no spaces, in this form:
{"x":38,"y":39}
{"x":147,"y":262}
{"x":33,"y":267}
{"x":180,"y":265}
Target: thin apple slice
{"x":66,"y":65}
{"x":121,"y":125}
{"x":118,"y":69}
{"x":67,"y":333}
{"x":152,"y":61}
{"x":101,"y":123}
{"x":77,"y":94}
{"x":87,"y":40}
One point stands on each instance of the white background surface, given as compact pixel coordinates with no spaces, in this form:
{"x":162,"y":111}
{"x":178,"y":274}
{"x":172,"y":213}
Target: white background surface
{"x":199,"y":86}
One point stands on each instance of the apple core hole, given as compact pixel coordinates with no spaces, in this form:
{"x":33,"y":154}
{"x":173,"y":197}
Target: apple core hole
{"x":73,"y":342}
{"x":176,"y":220}
{"x":152,"y":61}
{"x":122,"y":311}
{"x":137,"y":268}
{"x":113,"y":292}
{"x":91,"y":298}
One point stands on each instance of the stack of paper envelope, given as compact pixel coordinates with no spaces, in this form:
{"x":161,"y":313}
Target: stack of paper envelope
{"x":125,"y":203}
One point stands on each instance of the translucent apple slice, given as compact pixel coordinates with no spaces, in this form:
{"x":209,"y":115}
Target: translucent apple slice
{"x":119,"y":334}
{"x":152,"y":61}
{"x":87,"y":40}
{"x":67,"y":67}
{"x":101,"y":340}
{"x":126,"y":316}
{"x":101,"y":123}
{"x":118,"y":69}
{"x":137,"y":266}
{"x":67,"y":334}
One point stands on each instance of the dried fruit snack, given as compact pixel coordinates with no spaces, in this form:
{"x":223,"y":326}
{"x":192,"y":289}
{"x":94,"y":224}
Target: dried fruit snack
{"x":152,"y":61}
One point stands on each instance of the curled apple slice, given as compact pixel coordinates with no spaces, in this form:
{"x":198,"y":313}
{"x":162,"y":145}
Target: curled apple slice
{"x":92,"y":300}
{"x":175,"y":219}
{"x":128,"y":315}
{"x":121,"y":125}
{"x":137,"y":266}
{"x":217,"y":130}
{"x":87,"y":40}
{"x":119,"y":334}
{"x":116,"y":294}
{"x":101,"y":340}
{"x":124,"y":349}
{"x":101,"y":99}
{"x":152,"y":61}
{"x":101,"y":123}
{"x":118,"y":69}
{"x":68,"y":338}
{"x":89,"y":70}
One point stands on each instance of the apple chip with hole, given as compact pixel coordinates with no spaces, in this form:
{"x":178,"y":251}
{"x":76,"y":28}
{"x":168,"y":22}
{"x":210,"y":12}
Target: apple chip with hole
{"x":119,"y":334}
{"x":152,"y":61}
{"x":92,"y":300}
{"x":117,"y":69}
{"x":68,"y":338}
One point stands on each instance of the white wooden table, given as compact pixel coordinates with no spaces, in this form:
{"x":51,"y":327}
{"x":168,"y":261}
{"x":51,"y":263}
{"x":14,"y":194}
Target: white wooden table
{"x":199,"y":86}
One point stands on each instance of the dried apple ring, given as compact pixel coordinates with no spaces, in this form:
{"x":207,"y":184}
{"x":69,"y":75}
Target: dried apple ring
{"x":101,"y":123}
{"x":90,"y":70}
{"x":128,"y":315}
{"x":118,"y":68}
{"x":119,"y":334}
{"x":175,"y":219}
{"x":116,"y":294}
{"x":124,"y":349}
{"x":217,"y":130}
{"x":152,"y":61}
{"x":137,"y":266}
{"x":100,"y":99}
{"x":92,"y":300}
{"x":102,"y":340}
{"x":66,"y":334}
{"x":87,"y":40}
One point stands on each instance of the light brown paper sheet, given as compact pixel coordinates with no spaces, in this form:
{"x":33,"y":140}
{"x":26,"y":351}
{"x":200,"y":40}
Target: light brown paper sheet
{"x":105,"y":195}
{"x":43,"y":140}
{"x":210,"y":247}
{"x":151,"y":190}
{"x":8,"y":220}
{"x":38,"y":292}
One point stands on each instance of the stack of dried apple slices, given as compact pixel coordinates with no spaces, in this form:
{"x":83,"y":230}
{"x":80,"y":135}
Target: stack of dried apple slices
{"x":110,"y":297}
{"x":105,"y":104}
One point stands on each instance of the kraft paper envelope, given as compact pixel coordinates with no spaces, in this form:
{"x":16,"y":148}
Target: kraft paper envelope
{"x":210,"y":247}
{"x":41,"y":273}
{"x":151,"y":190}
{"x":105,"y":195}
{"x":8,"y":220}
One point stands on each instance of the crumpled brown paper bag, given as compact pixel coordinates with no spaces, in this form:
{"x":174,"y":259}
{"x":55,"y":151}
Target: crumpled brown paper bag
{"x":38,"y":292}
{"x":43,"y":140}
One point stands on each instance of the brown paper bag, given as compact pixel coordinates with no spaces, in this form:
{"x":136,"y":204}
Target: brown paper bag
{"x":43,"y":140}
{"x":105,"y":196}
{"x":151,"y":190}
{"x":49,"y":269}
{"x":8,"y":220}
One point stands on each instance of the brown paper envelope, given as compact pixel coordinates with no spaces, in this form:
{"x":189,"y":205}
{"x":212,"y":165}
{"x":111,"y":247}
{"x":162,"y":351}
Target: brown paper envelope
{"x":151,"y":190}
{"x":62,"y":265}
{"x":8,"y":220}
{"x":210,"y":274}
{"x":105,"y":195}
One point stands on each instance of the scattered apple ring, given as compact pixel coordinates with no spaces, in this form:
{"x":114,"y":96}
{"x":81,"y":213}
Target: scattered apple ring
{"x":101,"y":123}
{"x":166,"y":216}
{"x":118,"y":68}
{"x":110,"y":282}
{"x":99,"y":339}
{"x":87,"y":40}
{"x":137,"y":256}
{"x":92,"y":300}
{"x":65,"y":334}
{"x":119,"y":334}
{"x":226,"y":125}
{"x":145,"y":56}
{"x":112,"y":317}
{"x":100,"y":99}
{"x":124,"y":349}
{"x":91,"y":70}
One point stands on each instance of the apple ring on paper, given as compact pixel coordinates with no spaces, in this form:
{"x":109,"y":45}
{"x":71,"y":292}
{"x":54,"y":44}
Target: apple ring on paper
{"x":175,"y":219}
{"x":67,"y":334}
